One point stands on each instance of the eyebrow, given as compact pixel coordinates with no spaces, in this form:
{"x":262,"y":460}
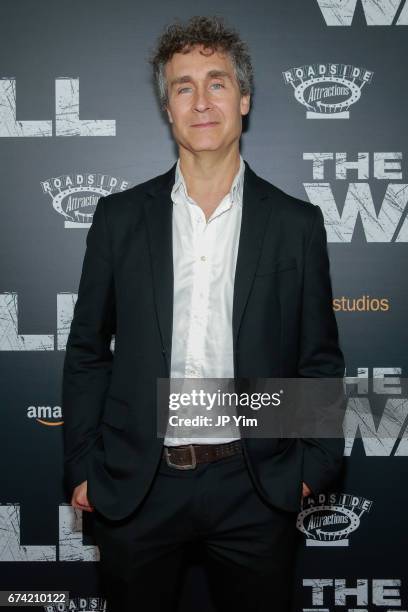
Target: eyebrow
{"x":211,"y":73}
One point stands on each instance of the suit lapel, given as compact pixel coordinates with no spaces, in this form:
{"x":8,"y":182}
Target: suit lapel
{"x":255,"y":214}
{"x":158,"y":211}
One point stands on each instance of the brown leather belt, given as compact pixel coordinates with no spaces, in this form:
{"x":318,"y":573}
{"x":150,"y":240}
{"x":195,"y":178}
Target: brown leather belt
{"x":187,"y":456}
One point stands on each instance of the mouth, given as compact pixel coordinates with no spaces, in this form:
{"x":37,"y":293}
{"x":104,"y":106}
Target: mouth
{"x":205,"y":125}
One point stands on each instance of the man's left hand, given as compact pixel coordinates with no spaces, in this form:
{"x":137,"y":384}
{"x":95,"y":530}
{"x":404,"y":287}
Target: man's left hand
{"x":306,"y":491}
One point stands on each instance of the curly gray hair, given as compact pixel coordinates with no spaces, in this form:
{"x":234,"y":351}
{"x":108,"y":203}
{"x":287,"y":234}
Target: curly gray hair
{"x":213,"y":34}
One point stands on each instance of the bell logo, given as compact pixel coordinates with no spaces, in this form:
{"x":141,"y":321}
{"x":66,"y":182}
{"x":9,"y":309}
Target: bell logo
{"x":376,"y":12}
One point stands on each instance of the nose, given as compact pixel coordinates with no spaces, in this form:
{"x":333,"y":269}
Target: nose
{"x":201,"y":100}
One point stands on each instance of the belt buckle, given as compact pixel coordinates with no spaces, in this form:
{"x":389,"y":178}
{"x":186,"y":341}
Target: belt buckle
{"x":190,"y":466}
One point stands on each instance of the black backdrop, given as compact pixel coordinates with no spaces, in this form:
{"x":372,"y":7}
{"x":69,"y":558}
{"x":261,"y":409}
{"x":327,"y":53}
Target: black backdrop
{"x":79,"y":119}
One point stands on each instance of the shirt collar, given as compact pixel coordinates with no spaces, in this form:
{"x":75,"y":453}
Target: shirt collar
{"x":235,"y":192}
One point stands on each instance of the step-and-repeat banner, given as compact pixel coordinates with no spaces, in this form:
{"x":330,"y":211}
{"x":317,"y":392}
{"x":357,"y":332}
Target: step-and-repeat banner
{"x":79,"y":119}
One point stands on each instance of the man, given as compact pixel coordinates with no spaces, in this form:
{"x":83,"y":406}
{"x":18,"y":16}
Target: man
{"x":205,"y":271}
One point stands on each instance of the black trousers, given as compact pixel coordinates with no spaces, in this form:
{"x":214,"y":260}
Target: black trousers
{"x":249,"y":547}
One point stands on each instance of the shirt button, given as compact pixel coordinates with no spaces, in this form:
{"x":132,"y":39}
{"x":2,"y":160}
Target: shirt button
{"x":203,"y":258}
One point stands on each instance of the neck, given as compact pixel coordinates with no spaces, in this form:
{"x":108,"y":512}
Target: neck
{"x":209,"y":175}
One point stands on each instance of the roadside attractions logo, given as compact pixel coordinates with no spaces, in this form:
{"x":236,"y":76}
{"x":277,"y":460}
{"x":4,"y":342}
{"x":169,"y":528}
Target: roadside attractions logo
{"x":327,"y":90}
{"x":79,"y":604}
{"x":329,"y":519}
{"x":74,"y":196}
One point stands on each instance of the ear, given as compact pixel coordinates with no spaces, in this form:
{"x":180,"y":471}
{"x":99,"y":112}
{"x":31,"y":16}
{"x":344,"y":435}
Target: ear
{"x":245,"y":104}
{"x":169,"y":114}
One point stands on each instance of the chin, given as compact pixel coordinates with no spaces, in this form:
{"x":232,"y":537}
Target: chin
{"x":205,"y":144}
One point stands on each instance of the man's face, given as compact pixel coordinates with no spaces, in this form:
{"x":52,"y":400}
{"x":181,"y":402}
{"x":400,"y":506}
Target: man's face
{"x":205,"y":106}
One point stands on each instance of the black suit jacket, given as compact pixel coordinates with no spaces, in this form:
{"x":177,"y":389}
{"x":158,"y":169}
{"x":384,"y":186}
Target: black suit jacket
{"x":283,"y":326}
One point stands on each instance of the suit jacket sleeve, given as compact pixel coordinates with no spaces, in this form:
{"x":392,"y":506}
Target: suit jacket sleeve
{"x":88,"y":358}
{"x":320,"y":354}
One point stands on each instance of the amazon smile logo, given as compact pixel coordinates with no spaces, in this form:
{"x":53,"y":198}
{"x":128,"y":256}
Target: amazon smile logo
{"x":49,"y":416}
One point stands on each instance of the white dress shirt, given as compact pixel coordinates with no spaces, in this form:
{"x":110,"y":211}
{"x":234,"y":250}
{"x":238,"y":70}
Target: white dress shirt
{"x":204,"y":262}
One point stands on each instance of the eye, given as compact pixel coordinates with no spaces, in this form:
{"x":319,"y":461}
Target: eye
{"x":220,"y":84}
{"x":182,"y":89}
